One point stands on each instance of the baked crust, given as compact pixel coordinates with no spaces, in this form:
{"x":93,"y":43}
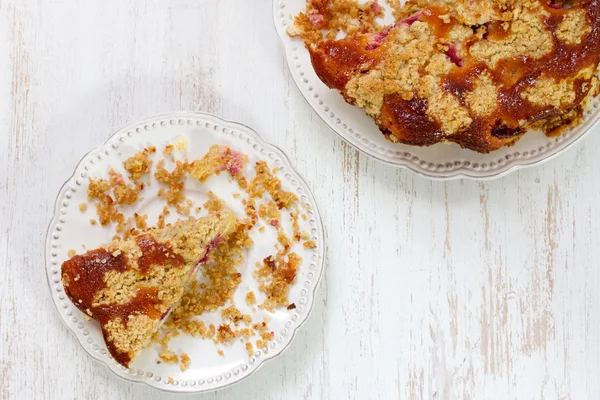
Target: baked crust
{"x":130,"y":286}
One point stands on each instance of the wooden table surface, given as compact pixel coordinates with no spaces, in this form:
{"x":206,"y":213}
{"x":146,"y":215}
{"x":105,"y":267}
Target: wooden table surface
{"x":445,"y":290}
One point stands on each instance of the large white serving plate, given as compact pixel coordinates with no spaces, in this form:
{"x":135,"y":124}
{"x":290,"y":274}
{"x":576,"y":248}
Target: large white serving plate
{"x":71,"y":229}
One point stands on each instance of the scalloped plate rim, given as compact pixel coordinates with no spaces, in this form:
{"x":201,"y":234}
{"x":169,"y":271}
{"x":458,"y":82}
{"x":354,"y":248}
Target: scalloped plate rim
{"x":267,"y":357}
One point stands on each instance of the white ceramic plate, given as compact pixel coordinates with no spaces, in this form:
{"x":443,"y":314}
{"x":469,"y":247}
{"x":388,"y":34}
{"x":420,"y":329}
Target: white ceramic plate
{"x":71,"y":229}
{"x":441,"y":161}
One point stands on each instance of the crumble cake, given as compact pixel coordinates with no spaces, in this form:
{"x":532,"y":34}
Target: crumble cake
{"x":477,"y":73}
{"x":131,"y":286}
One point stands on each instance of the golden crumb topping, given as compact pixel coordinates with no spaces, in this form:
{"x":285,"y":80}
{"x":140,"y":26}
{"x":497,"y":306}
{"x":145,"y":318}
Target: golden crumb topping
{"x":250,"y":298}
{"x":185,"y":362}
{"x":218,"y":159}
{"x":139,"y":164}
{"x":174,"y":194}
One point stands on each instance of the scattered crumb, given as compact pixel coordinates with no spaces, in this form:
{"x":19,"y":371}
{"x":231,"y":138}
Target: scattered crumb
{"x":221,"y":353}
{"x":168,"y":356}
{"x":275,"y":276}
{"x":185,"y":362}
{"x":249,"y":349}
{"x":161,"y":217}
{"x":123,"y":193}
{"x":260,"y":326}
{"x":71,"y":253}
{"x":261,"y":344}
{"x":168,"y":149}
{"x":309,"y":244}
{"x":139,"y":165}
{"x":83,"y":207}
{"x":250,"y":298}
{"x":171,"y":380}
{"x":261,"y":229}
{"x":234,"y":315}
{"x":295,"y":225}
{"x":214,"y":203}
{"x":140,"y":221}
{"x":225,"y":334}
{"x":264,"y":181}
{"x":291,"y":306}
{"x":174,"y":181}
{"x":93,"y":221}
{"x":218,"y":159}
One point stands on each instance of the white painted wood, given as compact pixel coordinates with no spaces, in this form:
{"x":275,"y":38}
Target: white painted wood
{"x":432,"y":290}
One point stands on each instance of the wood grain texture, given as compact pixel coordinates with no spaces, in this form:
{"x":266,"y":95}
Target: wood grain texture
{"x":458,"y":290}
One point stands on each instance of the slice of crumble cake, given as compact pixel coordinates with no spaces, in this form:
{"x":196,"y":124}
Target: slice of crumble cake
{"x":130,"y":286}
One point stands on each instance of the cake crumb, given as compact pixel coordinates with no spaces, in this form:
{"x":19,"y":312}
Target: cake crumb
{"x":264,"y":181}
{"x":309,"y":244}
{"x":214,"y":203}
{"x":140,"y":221}
{"x":173,"y":180}
{"x":224,"y":334}
{"x":221,"y":353}
{"x":71,"y":253}
{"x":168,"y":149}
{"x":123,"y":193}
{"x":249,"y":349}
{"x":250,"y":298}
{"x":139,"y":165}
{"x":171,"y":380}
{"x":185,"y":362}
{"x":218,"y":159}
{"x":275,"y":276}
{"x":168,"y":356}
{"x":83,"y":207}
{"x":261,"y":229}
{"x":234,"y":315}
{"x":161,"y":217}
{"x":261,"y":344}
{"x":93,"y":222}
